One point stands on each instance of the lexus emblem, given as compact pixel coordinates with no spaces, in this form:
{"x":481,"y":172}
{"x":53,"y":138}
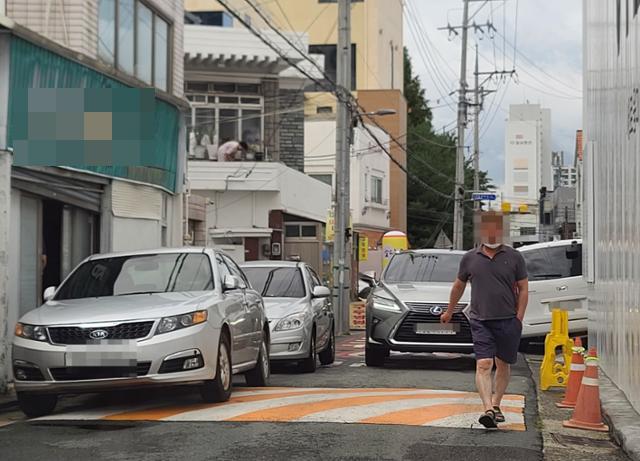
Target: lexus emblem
{"x":98,"y":334}
{"x":436,"y":310}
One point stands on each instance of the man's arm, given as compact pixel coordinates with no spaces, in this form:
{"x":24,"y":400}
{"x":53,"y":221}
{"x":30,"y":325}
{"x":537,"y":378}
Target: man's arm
{"x":523,"y":298}
{"x":457,"y":290}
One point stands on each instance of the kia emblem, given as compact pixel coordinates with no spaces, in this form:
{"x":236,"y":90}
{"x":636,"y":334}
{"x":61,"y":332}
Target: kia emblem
{"x":98,"y":334}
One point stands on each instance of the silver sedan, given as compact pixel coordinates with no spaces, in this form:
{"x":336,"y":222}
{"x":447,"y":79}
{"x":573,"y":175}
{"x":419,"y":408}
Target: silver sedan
{"x":181,"y":316}
{"x":299,"y":312}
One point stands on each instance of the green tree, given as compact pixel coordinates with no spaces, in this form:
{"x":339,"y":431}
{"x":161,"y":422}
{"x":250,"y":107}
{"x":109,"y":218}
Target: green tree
{"x":432,"y":158}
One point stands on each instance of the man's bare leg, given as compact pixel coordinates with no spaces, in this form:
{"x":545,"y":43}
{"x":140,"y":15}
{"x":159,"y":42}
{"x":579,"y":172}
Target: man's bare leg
{"x":503,"y":374}
{"x":484,"y":382}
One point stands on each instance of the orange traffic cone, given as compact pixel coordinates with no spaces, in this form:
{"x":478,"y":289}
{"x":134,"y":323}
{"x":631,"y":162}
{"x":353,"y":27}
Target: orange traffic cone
{"x":587,"y":414}
{"x":575,"y":376}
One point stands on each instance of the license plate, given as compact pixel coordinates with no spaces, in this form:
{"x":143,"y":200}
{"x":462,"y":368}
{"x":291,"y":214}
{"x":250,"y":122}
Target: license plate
{"x":437,"y":329}
{"x":103,"y":354}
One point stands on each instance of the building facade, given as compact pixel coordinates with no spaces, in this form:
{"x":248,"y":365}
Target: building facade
{"x":528,"y":168}
{"x":91,"y":115}
{"x":370,"y":180}
{"x":611,"y":206}
{"x":262,"y":205}
{"x":377,"y":65}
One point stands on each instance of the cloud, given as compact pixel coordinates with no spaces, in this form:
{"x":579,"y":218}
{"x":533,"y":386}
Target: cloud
{"x":547,"y":32}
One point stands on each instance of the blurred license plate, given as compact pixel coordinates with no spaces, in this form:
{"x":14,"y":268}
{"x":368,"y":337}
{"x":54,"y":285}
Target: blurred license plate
{"x":103,"y":354}
{"x":437,"y":328}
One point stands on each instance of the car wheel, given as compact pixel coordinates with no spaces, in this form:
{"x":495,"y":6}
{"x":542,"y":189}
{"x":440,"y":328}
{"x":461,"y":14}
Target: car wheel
{"x":259,"y":376}
{"x":309,"y":364}
{"x":218,"y":389}
{"x":375,"y":356}
{"x":35,"y":405}
{"x":328,"y":356}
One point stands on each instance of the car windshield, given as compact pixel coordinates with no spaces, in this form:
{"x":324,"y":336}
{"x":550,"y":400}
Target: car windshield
{"x":276,"y":282}
{"x":140,"y":274}
{"x":423,"y":267}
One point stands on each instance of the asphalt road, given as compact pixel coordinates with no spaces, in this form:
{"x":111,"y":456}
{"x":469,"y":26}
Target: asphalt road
{"x":91,"y":436}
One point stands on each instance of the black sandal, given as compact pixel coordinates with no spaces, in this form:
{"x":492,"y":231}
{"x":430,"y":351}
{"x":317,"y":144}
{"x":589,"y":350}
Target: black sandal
{"x":499,"y":415}
{"x":488,"y":419}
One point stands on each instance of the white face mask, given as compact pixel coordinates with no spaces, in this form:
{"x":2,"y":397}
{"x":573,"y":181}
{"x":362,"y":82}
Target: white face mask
{"x":492,"y":246}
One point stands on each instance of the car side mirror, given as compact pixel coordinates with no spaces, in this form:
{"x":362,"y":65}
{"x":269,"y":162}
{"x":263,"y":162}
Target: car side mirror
{"x":48,"y":293}
{"x":231,"y":282}
{"x":321,"y":292}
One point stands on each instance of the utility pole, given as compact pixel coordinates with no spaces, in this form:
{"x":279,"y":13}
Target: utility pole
{"x":342,"y":245}
{"x":458,"y":217}
{"x":459,"y":192}
{"x":476,"y":135}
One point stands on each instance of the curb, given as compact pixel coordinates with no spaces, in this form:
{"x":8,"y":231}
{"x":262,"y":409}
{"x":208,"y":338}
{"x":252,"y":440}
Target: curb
{"x":623,"y":420}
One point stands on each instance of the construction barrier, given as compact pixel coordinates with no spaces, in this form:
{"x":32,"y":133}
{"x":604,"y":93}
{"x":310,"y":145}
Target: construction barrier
{"x":357,"y":316}
{"x":587,"y":414}
{"x":552,"y":372}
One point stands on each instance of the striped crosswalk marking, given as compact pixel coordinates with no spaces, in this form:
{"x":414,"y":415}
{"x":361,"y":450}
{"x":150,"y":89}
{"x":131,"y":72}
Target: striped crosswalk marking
{"x":414,"y":407}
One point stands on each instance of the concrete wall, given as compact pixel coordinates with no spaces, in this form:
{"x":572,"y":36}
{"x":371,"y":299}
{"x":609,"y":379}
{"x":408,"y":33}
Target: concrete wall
{"x":5,"y":327}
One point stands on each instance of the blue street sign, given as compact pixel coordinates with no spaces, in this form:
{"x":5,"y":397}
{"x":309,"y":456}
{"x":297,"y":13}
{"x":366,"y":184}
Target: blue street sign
{"x":483,"y":196}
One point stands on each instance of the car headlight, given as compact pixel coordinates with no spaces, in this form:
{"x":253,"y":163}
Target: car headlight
{"x":291,"y":322}
{"x":176,"y":322}
{"x":31,"y":332}
{"x":385,"y":304}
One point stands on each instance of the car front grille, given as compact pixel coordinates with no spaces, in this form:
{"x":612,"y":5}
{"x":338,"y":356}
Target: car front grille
{"x":77,"y":335}
{"x":80,"y":373}
{"x":421,"y":313}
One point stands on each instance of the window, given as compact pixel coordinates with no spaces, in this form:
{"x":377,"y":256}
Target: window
{"x":553,"y":262}
{"x":300,"y":230}
{"x":276,"y":282}
{"x":520,"y":190}
{"x":216,"y":119}
{"x":134,"y":39}
{"x":152,"y":273}
{"x":161,"y":54}
{"x":144,"y":39}
{"x":222,"y":268}
{"x":331,"y":65}
{"x":376,"y":189}
{"x":125,"y":35}
{"x":106,"y":31}
{"x":209,"y":18}
{"x":236,"y":271}
{"x":422,"y":267}
{"x":325,"y":178}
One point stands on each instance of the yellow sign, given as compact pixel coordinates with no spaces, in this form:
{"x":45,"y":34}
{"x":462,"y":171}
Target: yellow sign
{"x":393,"y":242}
{"x":363,"y":248}
{"x":552,"y":372}
{"x":506,"y":207}
{"x":523,"y":209}
{"x":330,"y":230}
{"x":357,"y":315}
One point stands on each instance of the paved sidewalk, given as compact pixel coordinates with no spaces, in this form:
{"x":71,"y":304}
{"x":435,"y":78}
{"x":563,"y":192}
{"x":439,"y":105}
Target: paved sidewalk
{"x":621,"y":417}
{"x":560,"y":443}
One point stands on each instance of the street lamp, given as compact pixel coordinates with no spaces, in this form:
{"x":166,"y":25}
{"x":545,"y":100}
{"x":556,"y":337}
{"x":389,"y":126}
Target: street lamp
{"x":342,"y":253}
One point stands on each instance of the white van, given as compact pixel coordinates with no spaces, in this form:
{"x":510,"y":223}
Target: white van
{"x":555,"y":271}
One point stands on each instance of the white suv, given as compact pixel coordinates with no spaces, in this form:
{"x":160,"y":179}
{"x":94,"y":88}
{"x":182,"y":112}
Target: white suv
{"x":555,"y":272}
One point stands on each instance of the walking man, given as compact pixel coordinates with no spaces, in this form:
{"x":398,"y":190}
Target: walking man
{"x":499,"y":296}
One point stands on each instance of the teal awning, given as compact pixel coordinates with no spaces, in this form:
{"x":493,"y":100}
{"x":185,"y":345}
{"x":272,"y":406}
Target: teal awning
{"x":150,"y":156}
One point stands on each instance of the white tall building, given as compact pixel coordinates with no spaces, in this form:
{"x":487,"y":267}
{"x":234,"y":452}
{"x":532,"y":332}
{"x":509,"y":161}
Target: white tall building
{"x":527,"y":166}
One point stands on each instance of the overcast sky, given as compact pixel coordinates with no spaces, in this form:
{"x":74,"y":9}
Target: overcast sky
{"x":549,"y":35}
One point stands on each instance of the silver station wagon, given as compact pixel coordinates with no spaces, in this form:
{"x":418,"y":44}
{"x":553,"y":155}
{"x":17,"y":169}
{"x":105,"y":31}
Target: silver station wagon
{"x":169,"y":316}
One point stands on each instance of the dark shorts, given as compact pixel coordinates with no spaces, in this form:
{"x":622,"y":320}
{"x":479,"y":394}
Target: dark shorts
{"x":496,"y":338}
